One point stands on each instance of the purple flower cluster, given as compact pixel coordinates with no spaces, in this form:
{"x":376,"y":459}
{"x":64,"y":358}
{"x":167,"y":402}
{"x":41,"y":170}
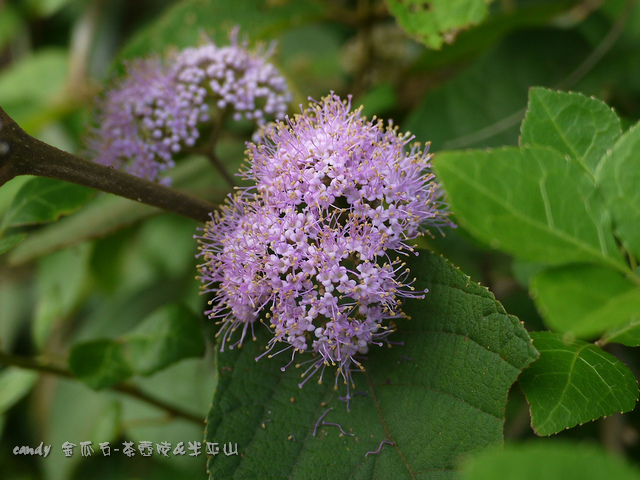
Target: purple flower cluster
{"x":308,"y":249}
{"x":140,"y":126}
{"x":233,"y":78}
{"x":156,"y":110}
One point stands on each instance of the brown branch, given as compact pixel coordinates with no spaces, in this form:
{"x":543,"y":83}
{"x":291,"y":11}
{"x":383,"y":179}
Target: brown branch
{"x":21,"y":154}
{"x":29,"y":363}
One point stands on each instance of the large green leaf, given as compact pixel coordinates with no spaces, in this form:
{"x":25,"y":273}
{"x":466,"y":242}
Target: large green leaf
{"x":581,"y":127}
{"x":619,"y":175}
{"x":170,"y":334}
{"x":44,"y":200}
{"x":434,"y":22}
{"x":550,"y":460}
{"x":585,"y":300}
{"x":531,"y":202}
{"x":574,"y":382}
{"x":438,"y":395}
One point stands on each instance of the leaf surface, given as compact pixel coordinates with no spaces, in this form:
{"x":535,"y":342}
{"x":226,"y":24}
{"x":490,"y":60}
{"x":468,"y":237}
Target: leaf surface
{"x":15,"y":383}
{"x":7,"y":242}
{"x":531,"y":202}
{"x":618,"y":176}
{"x":169,"y":334}
{"x":574,"y":382}
{"x":43,"y":200}
{"x":435,"y":22}
{"x":585,"y":300}
{"x":551,"y":460}
{"x":583,"y":128}
{"x":628,"y":334}
{"x":440,"y":394}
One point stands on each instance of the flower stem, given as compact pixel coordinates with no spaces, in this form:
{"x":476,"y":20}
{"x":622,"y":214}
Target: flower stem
{"x":29,"y":363}
{"x":217,"y":163}
{"x":208,"y":148}
{"x":21,"y":154}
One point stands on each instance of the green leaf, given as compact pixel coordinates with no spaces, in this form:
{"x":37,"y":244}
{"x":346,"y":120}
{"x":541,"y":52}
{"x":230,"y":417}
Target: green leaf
{"x":434,"y":22}
{"x":99,"y":363}
{"x":44,"y":200}
{"x":583,"y":128}
{"x":25,"y":91}
{"x":574,"y":382}
{"x":61,"y":282}
{"x":531,"y":202}
{"x":7,"y":242}
{"x":15,"y":383}
{"x":627,"y":335}
{"x":585,"y":300}
{"x":170,"y":334}
{"x":618,"y":176}
{"x":438,"y":395}
{"x":551,"y":460}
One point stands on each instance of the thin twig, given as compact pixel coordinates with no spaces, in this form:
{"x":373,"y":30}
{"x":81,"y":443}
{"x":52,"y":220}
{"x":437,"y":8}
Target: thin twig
{"x":29,"y":363}
{"x":601,"y":50}
{"x":217,"y":163}
{"x":208,"y":148}
{"x":23,"y":154}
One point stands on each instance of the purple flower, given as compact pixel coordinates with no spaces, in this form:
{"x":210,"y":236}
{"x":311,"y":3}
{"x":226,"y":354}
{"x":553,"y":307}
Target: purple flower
{"x":155,"y":111}
{"x":141,"y":126}
{"x":309,"y":249}
{"x":234,"y":79}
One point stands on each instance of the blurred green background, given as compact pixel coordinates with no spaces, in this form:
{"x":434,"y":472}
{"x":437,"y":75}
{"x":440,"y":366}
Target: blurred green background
{"x":102,"y":270}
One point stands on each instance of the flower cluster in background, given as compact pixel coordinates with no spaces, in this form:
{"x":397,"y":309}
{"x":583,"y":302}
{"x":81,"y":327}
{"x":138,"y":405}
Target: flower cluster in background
{"x":232,"y":78}
{"x":158,"y":109}
{"x":312,"y":247}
